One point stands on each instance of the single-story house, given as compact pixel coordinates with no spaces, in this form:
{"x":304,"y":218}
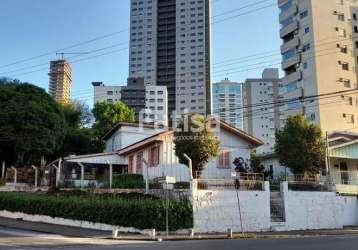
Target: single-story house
{"x":130,"y":147}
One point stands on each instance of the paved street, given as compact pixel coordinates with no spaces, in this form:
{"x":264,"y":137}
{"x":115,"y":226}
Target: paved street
{"x":27,"y":240}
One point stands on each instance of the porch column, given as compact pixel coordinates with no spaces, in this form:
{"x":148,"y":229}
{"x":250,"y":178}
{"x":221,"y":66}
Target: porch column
{"x":82,"y":174}
{"x":15,"y":174}
{"x":110,"y":175}
{"x":56,"y":175}
{"x":36,"y":174}
{"x":3,"y":170}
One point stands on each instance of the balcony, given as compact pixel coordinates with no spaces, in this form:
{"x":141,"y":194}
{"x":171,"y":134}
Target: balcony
{"x":289,"y":29}
{"x":294,"y":77}
{"x":289,"y":12}
{"x":295,"y":42}
{"x":291,"y":62}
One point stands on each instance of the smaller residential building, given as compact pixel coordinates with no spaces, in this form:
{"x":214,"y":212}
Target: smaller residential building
{"x":261,"y":109}
{"x":128,"y":146}
{"x":227,"y":102}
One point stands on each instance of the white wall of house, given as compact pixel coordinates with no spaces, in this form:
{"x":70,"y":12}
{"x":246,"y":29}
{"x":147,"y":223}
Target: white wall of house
{"x":218,"y":210}
{"x":128,"y":135}
{"x":236,"y":147}
{"x":169,"y":163}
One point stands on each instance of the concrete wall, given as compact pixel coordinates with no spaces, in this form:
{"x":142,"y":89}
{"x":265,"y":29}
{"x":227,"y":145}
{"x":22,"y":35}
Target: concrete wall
{"x":350,"y":210}
{"x":217,"y":210}
{"x":311,"y":210}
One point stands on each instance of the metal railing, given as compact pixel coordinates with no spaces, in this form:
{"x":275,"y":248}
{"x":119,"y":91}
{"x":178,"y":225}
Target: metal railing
{"x":242,"y":181}
{"x":345,"y":177}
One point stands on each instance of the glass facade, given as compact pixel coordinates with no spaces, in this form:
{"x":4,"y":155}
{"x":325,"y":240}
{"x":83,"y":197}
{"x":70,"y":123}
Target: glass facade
{"x":227,"y":102}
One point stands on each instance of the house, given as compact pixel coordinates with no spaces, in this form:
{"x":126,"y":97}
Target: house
{"x":343,"y":163}
{"x":130,"y":148}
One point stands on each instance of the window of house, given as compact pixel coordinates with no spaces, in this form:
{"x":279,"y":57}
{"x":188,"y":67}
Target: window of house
{"x":154,"y":156}
{"x":139,"y":163}
{"x":345,"y":66}
{"x":224,"y":159}
{"x":131,"y":164}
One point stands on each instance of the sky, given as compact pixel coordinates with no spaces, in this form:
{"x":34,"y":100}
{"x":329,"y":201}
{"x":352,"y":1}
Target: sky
{"x":38,"y":28}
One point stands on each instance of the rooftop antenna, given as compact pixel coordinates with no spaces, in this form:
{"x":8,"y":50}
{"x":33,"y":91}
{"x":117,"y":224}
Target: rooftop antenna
{"x":62,"y":54}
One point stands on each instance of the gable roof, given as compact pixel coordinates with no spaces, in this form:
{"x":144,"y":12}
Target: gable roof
{"x":126,"y":124}
{"x":144,"y":143}
{"x":240,"y":133}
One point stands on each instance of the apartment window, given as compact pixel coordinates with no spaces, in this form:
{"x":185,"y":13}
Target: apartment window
{"x":224,"y":159}
{"x":306,"y":47}
{"x":340,"y":17}
{"x":345,"y":65}
{"x":355,"y":29}
{"x":354,"y":16}
{"x":304,"y":14}
{"x":349,"y":118}
{"x":307,"y":30}
{"x":109,"y":92}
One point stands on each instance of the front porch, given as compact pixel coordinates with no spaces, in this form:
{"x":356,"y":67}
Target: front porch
{"x":344,"y":167}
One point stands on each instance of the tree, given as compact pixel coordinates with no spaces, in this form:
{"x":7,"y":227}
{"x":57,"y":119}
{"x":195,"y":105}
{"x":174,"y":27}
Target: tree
{"x":108,"y":114}
{"x":31,"y":122}
{"x":196,"y":139}
{"x":300,"y":147}
{"x":78,"y":138}
{"x":255,"y":163}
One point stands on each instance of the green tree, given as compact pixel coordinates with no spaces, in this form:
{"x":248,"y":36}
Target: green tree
{"x":255,"y":163}
{"x":300,"y":147}
{"x":197,"y":140}
{"x":78,"y":138}
{"x":31,"y":123}
{"x":108,"y":114}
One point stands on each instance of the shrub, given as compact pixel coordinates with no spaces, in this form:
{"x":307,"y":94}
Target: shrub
{"x":130,"y":210}
{"x":126,"y":181}
{"x":2,"y":182}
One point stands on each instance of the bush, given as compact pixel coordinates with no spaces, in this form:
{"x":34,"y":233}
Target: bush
{"x":127,"y":181}
{"x":2,"y":182}
{"x":129,"y":210}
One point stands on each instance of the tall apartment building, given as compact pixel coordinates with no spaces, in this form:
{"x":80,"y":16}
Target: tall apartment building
{"x":261,"y":109}
{"x":150,"y":103}
{"x":227,"y":102}
{"x":60,"y":80}
{"x":170,"y":46}
{"x":320,"y":48}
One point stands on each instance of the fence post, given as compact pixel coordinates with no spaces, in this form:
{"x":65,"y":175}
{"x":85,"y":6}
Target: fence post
{"x":15,"y":175}
{"x":3,"y":170}
{"x":36,"y":174}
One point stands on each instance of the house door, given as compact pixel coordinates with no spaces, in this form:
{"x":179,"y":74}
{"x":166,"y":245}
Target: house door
{"x":343,"y":167}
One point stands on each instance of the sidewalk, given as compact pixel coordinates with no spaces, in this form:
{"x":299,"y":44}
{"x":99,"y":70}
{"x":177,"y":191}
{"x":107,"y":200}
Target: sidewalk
{"x":88,"y":233}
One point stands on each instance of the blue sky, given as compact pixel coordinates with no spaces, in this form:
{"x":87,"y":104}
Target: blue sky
{"x":34,"y":27}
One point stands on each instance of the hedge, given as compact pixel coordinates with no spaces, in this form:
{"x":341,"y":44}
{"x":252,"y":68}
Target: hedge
{"x":138,"y":211}
{"x":127,"y":181}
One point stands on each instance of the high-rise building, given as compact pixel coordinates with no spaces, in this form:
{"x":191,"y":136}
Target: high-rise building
{"x":227,"y":102}
{"x":150,"y":103}
{"x":170,"y":46}
{"x":261,"y":109}
{"x":320,"y":49}
{"x":60,"y":80}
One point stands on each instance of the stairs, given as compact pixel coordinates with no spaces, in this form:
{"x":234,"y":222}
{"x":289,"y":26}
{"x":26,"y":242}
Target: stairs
{"x":277,"y":207}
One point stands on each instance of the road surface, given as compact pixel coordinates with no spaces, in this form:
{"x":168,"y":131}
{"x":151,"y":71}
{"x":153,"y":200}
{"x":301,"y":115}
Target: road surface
{"x":11,"y":239}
